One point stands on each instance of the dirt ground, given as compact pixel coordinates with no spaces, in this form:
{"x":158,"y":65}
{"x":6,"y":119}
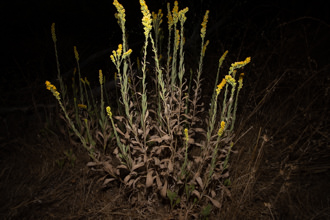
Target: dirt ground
{"x":279,"y":168}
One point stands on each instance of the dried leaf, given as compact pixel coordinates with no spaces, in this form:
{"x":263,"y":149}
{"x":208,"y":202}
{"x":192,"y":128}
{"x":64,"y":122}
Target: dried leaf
{"x":213,"y":194}
{"x":149,"y":180}
{"x":106,"y":181}
{"x":201,"y":130}
{"x":164,"y":190}
{"x":127,"y":178}
{"x":119,"y":118}
{"x":158,"y":139}
{"x":196,"y":193}
{"x":200,"y":182}
{"x":170,"y":166}
{"x":159,"y":183}
{"x":146,"y":116}
{"x":92,"y":164}
{"x":136,"y":166}
{"x":157,"y":161}
{"x":109,"y":168}
{"x":191,"y":140}
{"x":214,"y":202}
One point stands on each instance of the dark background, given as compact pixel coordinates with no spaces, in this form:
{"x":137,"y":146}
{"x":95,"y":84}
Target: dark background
{"x":91,"y":26}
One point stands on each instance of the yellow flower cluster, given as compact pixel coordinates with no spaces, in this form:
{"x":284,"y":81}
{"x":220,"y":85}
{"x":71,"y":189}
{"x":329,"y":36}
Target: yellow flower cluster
{"x":169,"y":17}
{"x":186,"y":134}
{"x":175,"y":12}
{"x":53,"y":33}
{"x":177,"y":39}
{"x":127,"y":53}
{"x":182,"y":15}
{"x":221,"y":85}
{"x":239,"y":64}
{"x":204,"y":23}
{"x":108,"y":109}
{"x":82,"y":106}
{"x":205,"y":46}
{"x":158,"y":16}
{"x":121,"y":11}
{"x":222,"y":128}
{"x":222,"y":58}
{"x":101,"y":77}
{"x":146,"y":20}
{"x":240,"y":81}
{"x":230,"y":80}
{"x":116,"y":54}
{"x":53,"y":89}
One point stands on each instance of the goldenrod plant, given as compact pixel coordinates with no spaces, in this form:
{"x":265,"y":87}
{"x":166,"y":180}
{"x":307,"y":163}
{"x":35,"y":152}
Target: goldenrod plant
{"x":162,"y":127}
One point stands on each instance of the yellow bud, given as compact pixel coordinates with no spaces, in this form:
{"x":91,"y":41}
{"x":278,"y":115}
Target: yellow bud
{"x":100,"y":77}
{"x":76,"y":55}
{"x":53,"y":33}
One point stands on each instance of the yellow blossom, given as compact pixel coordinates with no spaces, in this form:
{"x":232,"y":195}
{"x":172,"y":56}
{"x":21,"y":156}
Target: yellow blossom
{"x":175,"y":12}
{"x":240,"y":81}
{"x":127,"y":53}
{"x":146,"y":20}
{"x":112,"y":59}
{"x":182,"y":15}
{"x":177,"y":39}
{"x":82,"y":106}
{"x":108,"y":109}
{"x":204,"y":23}
{"x":230,"y":80}
{"x":119,"y":50}
{"x":169,"y":17}
{"x":239,"y":64}
{"x":205,"y":46}
{"x":121,"y":12}
{"x":221,"y":85}
{"x":222,"y":58}
{"x":222,"y":128}
{"x":186,"y":134}
{"x":53,"y":89}
{"x":101,"y":77}
{"x":53,"y":33}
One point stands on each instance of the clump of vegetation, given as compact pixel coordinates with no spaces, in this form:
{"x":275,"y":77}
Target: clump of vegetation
{"x":166,"y":144}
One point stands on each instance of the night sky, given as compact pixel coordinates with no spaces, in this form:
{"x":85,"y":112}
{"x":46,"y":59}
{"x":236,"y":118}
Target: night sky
{"x":91,"y":26}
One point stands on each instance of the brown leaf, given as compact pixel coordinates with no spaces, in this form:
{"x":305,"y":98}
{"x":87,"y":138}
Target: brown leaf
{"x":196,"y":193}
{"x":213,"y":194}
{"x":149,"y":180}
{"x":201,"y":130}
{"x":191,"y":140}
{"x":146,"y":116}
{"x":119,"y":118}
{"x":159,"y":183}
{"x":200,"y":182}
{"x":127,"y":178}
{"x":157,"y":161}
{"x":164,"y":190}
{"x":92,"y":164}
{"x":136,"y":166}
{"x":109,"y":168}
{"x":170,"y":166}
{"x":106,"y":181}
{"x":214,"y":202}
